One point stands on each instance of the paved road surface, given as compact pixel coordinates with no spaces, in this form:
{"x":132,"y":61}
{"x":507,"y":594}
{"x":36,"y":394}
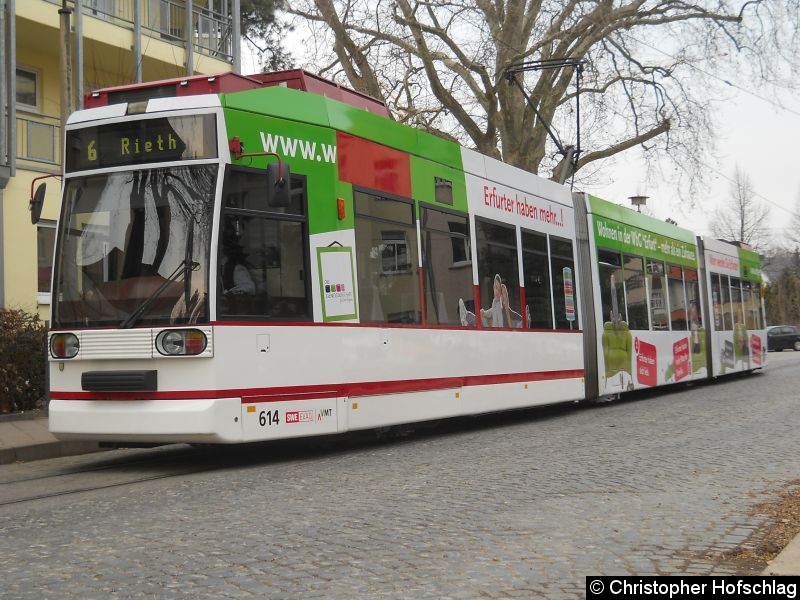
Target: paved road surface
{"x":519,"y":505}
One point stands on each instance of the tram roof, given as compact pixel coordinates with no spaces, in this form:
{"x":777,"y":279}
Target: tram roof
{"x":628,"y":216}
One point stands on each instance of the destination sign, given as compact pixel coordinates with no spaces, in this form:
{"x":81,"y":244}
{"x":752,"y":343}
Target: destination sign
{"x":141,"y":141}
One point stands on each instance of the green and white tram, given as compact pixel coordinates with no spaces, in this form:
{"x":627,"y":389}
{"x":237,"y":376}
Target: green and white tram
{"x":241,"y":260}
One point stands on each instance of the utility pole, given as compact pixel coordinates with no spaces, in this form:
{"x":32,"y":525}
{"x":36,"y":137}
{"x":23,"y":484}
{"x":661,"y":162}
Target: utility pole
{"x":66,"y":67}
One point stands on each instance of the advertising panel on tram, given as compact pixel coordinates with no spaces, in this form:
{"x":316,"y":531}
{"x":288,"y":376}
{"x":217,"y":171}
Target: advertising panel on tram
{"x":733,"y":278}
{"x":650,"y":320}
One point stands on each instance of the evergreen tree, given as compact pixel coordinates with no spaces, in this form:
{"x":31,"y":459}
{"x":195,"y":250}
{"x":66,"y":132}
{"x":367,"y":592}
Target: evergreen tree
{"x":265,"y":33}
{"x":782,"y":299}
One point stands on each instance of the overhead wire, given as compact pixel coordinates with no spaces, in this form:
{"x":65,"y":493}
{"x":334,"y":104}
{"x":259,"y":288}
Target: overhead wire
{"x":717,"y":77}
{"x":742,"y":89}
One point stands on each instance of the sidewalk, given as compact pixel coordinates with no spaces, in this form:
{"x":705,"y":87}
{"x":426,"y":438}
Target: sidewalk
{"x":24,"y":437}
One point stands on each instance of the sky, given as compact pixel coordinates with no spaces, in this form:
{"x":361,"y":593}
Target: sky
{"x":756,"y":131}
{"x":753,"y":133}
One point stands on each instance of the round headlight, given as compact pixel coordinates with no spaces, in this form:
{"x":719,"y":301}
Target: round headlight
{"x":181,"y":342}
{"x":64,"y":345}
{"x":172,"y":343}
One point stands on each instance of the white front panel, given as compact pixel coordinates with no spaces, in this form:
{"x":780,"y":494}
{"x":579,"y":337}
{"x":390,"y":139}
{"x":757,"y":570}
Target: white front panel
{"x":104,"y":344}
{"x":128,"y":344}
{"x":197,"y":420}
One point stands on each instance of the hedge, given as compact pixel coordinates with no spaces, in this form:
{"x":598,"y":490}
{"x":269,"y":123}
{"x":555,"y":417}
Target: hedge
{"x":23,"y":361}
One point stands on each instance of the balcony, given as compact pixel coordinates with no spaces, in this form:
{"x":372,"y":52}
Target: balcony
{"x":38,"y":142}
{"x":166,"y":19}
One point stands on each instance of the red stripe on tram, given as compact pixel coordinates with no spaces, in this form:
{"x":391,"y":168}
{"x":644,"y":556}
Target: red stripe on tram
{"x":315,"y":392}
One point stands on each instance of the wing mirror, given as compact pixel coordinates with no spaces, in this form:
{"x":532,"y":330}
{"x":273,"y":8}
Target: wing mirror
{"x":37,"y":198}
{"x":37,"y":202}
{"x":278,"y":177}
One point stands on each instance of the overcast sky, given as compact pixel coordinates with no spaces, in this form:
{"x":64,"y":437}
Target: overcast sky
{"x":755,"y":134}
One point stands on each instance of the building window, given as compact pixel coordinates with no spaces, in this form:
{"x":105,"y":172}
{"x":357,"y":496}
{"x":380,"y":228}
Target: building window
{"x":462,"y":255}
{"x":394,"y":252}
{"x":27,"y":88}
{"x":45,"y":242}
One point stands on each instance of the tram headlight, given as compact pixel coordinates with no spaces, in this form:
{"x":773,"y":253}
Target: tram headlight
{"x":181,"y":342}
{"x":64,"y":345}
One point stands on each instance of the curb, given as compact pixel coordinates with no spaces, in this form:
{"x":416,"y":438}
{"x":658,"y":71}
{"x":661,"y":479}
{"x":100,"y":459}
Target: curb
{"x":46,"y":450}
{"x":787,"y":562}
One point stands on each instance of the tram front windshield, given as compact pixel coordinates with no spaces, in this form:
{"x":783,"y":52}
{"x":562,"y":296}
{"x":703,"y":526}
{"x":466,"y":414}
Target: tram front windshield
{"x":134,"y":248}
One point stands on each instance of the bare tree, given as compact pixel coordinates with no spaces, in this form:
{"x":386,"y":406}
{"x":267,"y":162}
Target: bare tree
{"x":742,"y":218}
{"x":793,"y":230}
{"x":650,"y":68}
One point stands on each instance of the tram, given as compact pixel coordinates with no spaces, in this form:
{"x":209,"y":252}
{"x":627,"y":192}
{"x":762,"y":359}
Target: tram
{"x":252,"y":258}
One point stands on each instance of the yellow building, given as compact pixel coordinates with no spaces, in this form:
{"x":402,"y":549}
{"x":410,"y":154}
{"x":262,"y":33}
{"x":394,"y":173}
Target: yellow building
{"x":112,"y":42}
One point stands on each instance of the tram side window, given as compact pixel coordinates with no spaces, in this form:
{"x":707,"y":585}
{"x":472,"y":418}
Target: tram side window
{"x":635,"y":293}
{"x":446,"y":267}
{"x":716,"y":300}
{"x":747,"y":302}
{"x":736,"y":302}
{"x":677,"y":299}
{"x":498,"y":275}
{"x":563,"y":269}
{"x":757,"y":305}
{"x":264,"y":251}
{"x":659,"y":320}
{"x":386,"y":252}
{"x":727,"y":313}
{"x":693,"y":299}
{"x":612,"y":294}
{"x":536,"y":270}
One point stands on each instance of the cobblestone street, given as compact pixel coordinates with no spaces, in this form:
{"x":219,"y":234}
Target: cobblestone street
{"x":519,"y":505}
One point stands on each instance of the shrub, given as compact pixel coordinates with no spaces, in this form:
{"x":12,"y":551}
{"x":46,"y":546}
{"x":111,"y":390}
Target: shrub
{"x":23,"y":361}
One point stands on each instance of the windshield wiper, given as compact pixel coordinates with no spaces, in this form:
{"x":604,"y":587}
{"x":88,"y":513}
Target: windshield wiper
{"x":184,"y":268}
{"x":187,"y":264}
